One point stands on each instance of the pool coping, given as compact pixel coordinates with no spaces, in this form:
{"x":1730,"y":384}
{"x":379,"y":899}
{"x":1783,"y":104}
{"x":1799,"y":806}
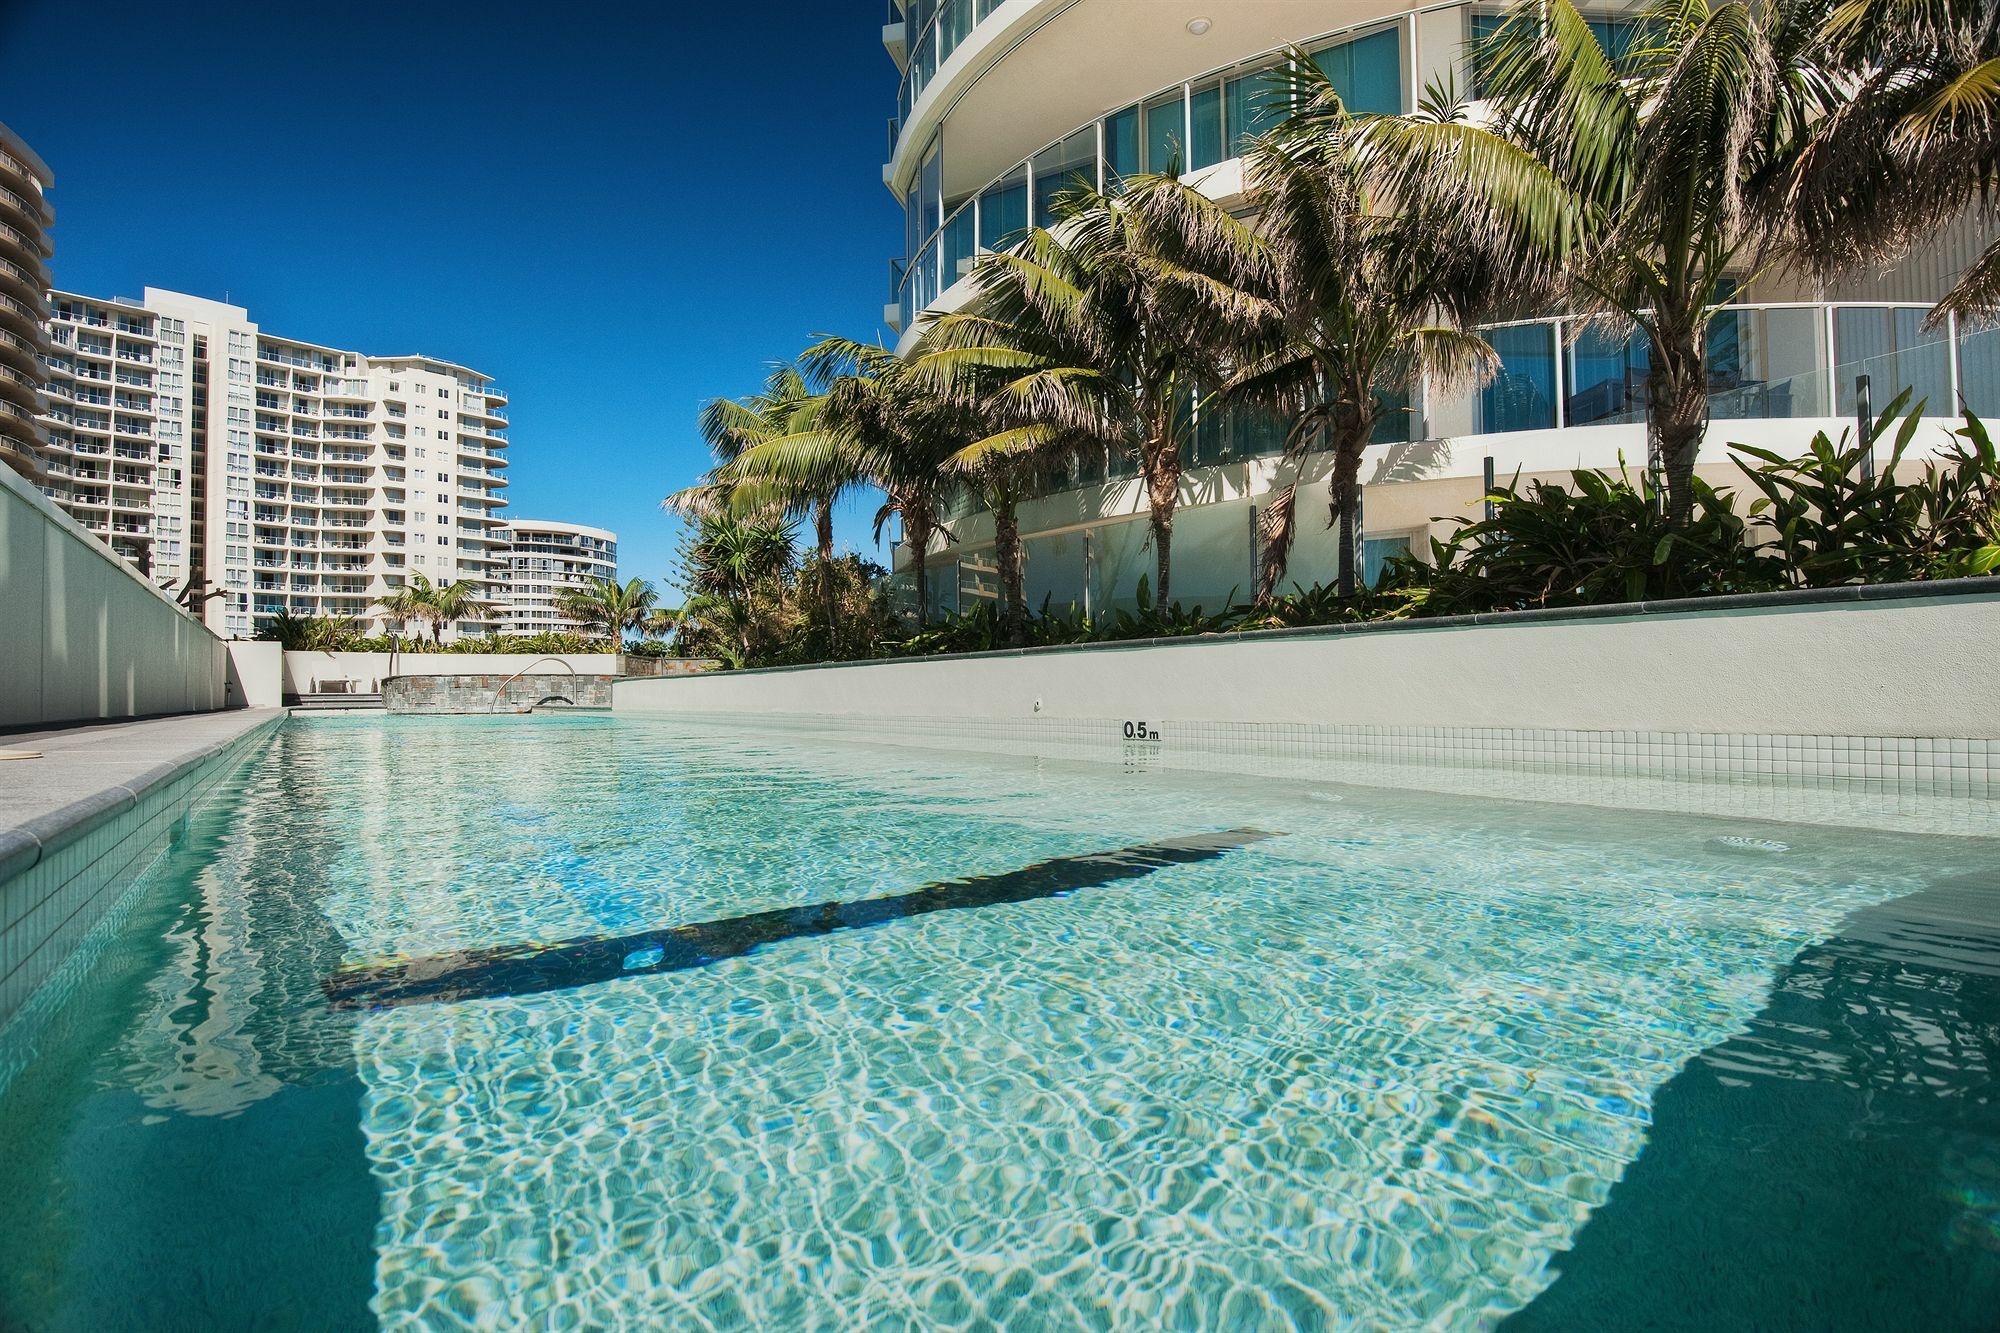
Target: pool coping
{"x":1966,"y":589}
{"x":26,"y":839}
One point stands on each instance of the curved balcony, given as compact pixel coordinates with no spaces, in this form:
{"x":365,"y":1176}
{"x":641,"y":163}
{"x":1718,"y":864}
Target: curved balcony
{"x":1199,"y":126}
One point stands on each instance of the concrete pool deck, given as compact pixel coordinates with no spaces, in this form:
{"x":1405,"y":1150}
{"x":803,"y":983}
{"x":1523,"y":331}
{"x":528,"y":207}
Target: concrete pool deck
{"x":80,"y":822}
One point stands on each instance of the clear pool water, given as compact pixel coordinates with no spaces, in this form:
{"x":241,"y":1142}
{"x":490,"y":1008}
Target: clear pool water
{"x":1409,"y":1062}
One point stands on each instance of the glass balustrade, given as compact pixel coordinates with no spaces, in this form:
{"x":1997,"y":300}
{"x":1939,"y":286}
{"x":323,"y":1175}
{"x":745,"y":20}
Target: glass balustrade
{"x":1190,"y":126}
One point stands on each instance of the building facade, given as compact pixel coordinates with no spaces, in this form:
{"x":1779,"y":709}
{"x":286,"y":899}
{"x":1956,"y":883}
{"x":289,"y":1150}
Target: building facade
{"x":25,"y":219}
{"x":545,"y":560}
{"x":266,"y":475}
{"x":1004,"y":103}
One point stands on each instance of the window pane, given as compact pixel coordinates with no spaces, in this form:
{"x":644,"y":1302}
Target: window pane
{"x":1061,"y":169}
{"x":1766,"y":363}
{"x":1607,"y":377}
{"x":1166,"y":133}
{"x":954,"y":25}
{"x":1521,"y":396}
{"x":1979,"y":372}
{"x":1479,"y":29}
{"x":1367,"y":73}
{"x":1003,"y":210}
{"x":958,"y":245}
{"x":1892,"y":349}
{"x":1206,"y":110}
{"x":1121,"y":145}
{"x":1256,"y":103}
{"x":1396,"y":422}
{"x":929,"y":180}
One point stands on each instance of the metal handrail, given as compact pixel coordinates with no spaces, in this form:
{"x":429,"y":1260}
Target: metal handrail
{"x":494,"y":706}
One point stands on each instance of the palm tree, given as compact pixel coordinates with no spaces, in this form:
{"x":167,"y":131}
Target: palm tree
{"x":433,"y":604}
{"x":1368,"y":301}
{"x":731,"y":565}
{"x":1641,"y":188}
{"x":1102,"y":333}
{"x":900,"y":432}
{"x":788,"y":408}
{"x":1915,"y":143}
{"x":611,"y":606}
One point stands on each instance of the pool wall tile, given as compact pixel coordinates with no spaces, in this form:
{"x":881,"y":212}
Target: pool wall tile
{"x":1905,"y":783}
{"x":48,"y":909}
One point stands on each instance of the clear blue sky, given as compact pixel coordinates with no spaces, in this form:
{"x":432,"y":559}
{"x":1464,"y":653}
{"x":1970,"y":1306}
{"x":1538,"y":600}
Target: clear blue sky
{"x":617,"y":211}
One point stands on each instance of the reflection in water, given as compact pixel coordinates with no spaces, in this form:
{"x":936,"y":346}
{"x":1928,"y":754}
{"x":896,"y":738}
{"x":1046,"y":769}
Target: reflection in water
{"x":1800,"y":1174}
{"x":529,"y":969}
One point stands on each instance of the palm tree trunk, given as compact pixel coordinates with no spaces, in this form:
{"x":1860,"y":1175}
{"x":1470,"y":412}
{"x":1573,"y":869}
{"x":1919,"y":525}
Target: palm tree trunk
{"x":1350,"y":441}
{"x":917,"y":528}
{"x":1677,"y":414}
{"x":1163,"y":492}
{"x":823,"y":532}
{"x":1007,"y":554}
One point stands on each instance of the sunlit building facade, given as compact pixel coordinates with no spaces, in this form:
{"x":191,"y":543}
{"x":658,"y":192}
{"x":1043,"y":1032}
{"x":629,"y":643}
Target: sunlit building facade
{"x":25,"y":219}
{"x":544,"y":560}
{"x":1005,"y":103}
{"x":263,"y":475}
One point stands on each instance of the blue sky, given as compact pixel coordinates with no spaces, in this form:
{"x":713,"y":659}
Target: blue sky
{"x":617,"y":211}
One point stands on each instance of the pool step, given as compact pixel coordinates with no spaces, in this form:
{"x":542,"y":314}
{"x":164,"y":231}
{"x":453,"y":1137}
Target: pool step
{"x":308,"y":703}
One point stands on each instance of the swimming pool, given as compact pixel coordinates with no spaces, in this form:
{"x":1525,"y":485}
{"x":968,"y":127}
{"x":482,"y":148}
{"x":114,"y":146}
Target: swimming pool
{"x":594,"y":1022}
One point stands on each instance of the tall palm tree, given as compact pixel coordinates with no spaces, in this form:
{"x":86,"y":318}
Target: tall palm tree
{"x":1915,"y":142}
{"x":433,"y":604}
{"x":1641,"y":187}
{"x":1369,"y":299}
{"x":900,"y":432}
{"x":611,"y":606}
{"x":1104,"y":332}
{"x":789,"y":407}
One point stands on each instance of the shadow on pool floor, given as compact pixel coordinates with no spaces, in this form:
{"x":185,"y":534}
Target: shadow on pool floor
{"x":1837,"y":1166}
{"x":529,"y":969}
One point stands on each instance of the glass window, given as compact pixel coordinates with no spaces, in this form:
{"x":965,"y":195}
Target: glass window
{"x":1166,"y":133}
{"x":1205,"y":110}
{"x":1522,"y":394}
{"x":1003,"y":210}
{"x":1367,"y":72}
{"x":1979,"y":372}
{"x":1121,"y":145}
{"x":1255,"y":104}
{"x":929,"y":182}
{"x":1892,"y":348}
{"x":1607,"y":377}
{"x":953,"y":24}
{"x":959,"y":244}
{"x":1067,"y":166}
{"x":1766,"y":363}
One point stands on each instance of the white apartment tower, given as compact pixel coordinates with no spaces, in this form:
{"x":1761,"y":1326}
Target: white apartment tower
{"x":545,"y":560}
{"x":264,"y":474}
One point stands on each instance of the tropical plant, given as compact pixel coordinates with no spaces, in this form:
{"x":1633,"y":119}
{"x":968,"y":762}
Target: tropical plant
{"x":314,"y":633}
{"x":731,"y":569}
{"x":1642,"y":186}
{"x":433,"y":604}
{"x":610,"y":606}
{"x":1368,"y":299}
{"x":1101,"y":333}
{"x":785,"y":420}
{"x":1913,"y":143}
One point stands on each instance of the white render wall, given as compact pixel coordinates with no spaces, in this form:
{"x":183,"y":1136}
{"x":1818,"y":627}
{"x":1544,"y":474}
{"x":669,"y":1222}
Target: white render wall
{"x":1920,"y":667}
{"x":308,"y":672}
{"x":82,"y":637}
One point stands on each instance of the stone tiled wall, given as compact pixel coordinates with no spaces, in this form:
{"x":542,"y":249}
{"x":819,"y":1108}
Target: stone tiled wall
{"x":494,"y":692}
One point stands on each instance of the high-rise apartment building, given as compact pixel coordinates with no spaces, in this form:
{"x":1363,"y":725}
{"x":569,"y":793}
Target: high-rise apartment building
{"x":25,"y":218}
{"x":545,"y":560}
{"x":264,"y":474}
{"x":1005,"y":104}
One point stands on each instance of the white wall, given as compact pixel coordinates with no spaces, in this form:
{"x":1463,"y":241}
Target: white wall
{"x":304,"y":671}
{"x":256,"y":673}
{"x":1911,"y":668}
{"x":82,"y":636}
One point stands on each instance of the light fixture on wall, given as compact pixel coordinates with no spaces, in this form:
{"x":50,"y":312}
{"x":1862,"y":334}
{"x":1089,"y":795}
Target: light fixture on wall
{"x":1198,"y":26}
